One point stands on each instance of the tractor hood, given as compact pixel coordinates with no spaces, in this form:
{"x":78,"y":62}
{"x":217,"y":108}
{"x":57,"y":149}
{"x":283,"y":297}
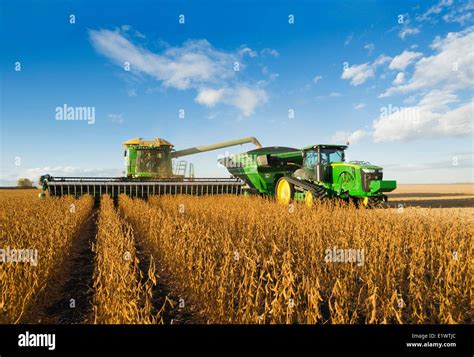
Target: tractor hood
{"x":359,"y":165}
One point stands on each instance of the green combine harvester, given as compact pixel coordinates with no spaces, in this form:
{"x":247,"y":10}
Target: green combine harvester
{"x":316,"y":172}
{"x":152,"y":168}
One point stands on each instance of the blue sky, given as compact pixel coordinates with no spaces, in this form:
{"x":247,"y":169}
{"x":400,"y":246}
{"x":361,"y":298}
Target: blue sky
{"x":392,"y":77}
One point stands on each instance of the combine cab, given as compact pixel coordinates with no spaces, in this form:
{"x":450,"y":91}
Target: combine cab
{"x":316,"y":172}
{"x":149,"y":167}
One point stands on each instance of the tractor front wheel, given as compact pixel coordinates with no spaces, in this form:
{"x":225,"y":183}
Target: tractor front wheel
{"x":309,"y":199}
{"x":285,"y":191}
{"x":372,"y":202}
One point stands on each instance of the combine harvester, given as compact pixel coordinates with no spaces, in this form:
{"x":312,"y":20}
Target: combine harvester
{"x":316,"y":172}
{"x":150,"y":170}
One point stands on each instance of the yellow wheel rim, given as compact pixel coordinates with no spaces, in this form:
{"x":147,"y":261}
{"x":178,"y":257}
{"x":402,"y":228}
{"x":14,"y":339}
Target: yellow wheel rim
{"x":366,"y":201}
{"x":309,"y":199}
{"x":284,"y":192}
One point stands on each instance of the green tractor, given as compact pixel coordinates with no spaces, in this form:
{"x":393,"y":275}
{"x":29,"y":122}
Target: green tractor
{"x":316,"y":172}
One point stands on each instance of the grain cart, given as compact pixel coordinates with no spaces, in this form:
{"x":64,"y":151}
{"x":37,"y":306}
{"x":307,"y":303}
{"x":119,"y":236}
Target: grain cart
{"x":151,"y":169}
{"x":316,"y":172}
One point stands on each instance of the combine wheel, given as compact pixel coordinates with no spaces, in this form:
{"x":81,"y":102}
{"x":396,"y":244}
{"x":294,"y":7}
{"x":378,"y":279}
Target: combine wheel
{"x":285,"y":191}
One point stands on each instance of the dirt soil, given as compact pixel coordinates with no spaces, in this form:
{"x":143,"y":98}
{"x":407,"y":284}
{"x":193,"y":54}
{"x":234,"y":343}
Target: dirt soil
{"x":433,"y":196}
{"x":73,"y":281}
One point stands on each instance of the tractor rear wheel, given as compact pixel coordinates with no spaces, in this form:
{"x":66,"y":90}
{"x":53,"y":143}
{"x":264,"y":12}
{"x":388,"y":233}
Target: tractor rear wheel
{"x":285,"y":191}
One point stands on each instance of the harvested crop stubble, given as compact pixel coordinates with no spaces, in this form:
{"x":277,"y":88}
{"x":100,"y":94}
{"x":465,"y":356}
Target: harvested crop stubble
{"x":249,"y":260}
{"x":120,"y":297}
{"x":47,"y":226}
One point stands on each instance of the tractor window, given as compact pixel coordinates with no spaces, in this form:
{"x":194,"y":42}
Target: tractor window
{"x":311,"y":159}
{"x":331,"y":155}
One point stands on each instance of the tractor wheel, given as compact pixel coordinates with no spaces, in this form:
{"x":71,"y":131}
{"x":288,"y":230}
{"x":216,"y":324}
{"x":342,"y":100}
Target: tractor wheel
{"x":365,"y":202}
{"x":377,"y":202}
{"x":285,"y":191}
{"x":372,"y":202}
{"x":309,"y":199}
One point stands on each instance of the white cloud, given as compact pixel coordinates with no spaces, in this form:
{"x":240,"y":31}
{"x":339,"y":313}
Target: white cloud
{"x":247,"y":99}
{"x":408,"y":31}
{"x":382,"y":59}
{"x":436,"y":87}
{"x":348,"y":39}
{"x":404,"y":59}
{"x":271,"y":76}
{"x":133,"y":32}
{"x":344,"y":136}
{"x":460,"y":14}
{"x":269,"y":52}
{"x":370,"y":47}
{"x":359,"y":106}
{"x":194,"y":65}
{"x":399,"y":79}
{"x":179,"y":67}
{"x":450,"y":68}
{"x":457,"y":12}
{"x":360,"y":73}
{"x":317,"y":78}
{"x":431,"y":118}
{"x":247,"y":51}
{"x":209,"y":97}
{"x":459,"y":18}
{"x":244,"y":98}
{"x":434,"y":10}
{"x":437,"y":100}
{"x":406,"y":26}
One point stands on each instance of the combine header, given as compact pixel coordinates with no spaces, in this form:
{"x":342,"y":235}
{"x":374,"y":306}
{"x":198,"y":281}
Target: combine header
{"x":151,"y":170}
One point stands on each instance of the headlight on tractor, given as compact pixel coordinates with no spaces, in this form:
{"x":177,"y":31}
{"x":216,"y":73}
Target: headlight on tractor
{"x":369,"y":171}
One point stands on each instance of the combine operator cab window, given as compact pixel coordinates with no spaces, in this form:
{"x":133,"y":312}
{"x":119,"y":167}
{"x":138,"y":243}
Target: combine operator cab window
{"x":148,"y":160}
{"x":331,"y":155}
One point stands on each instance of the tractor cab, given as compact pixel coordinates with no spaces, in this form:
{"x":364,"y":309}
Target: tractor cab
{"x":318,"y":160}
